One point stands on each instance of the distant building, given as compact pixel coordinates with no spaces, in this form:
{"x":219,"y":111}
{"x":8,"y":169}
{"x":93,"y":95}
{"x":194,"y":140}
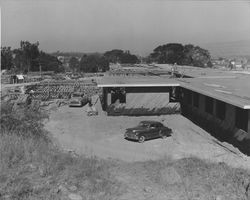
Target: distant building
{"x":17,"y":78}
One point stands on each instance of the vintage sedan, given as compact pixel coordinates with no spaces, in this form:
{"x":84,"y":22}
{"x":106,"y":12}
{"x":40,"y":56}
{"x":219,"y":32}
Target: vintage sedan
{"x":78,"y":99}
{"x":147,"y":130}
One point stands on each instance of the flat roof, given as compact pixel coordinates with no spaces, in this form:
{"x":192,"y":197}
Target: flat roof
{"x":235,"y":91}
{"x":232,"y":87}
{"x":198,"y":72}
{"x":145,"y":81}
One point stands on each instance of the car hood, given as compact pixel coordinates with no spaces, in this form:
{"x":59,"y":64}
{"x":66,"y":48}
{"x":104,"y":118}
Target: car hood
{"x":138,"y":128}
{"x":76,"y":99}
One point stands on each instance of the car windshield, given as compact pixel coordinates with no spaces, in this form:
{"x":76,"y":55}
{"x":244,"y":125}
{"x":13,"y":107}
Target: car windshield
{"x":142,"y":124}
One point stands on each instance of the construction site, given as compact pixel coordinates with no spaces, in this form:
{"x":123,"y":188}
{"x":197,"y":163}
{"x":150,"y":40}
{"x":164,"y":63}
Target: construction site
{"x":125,"y":100}
{"x":214,"y":100}
{"x":206,"y":109}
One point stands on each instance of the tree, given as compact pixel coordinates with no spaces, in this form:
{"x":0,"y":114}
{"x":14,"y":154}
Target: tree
{"x":113,"y":55}
{"x":119,"y":56}
{"x":26,"y":57}
{"x":196,"y":56}
{"x":183,"y":55}
{"x":74,"y":64}
{"x":6,"y":58}
{"x":30,"y":52}
{"x":128,"y":58}
{"x":94,"y":63}
{"x":169,"y":53}
{"x":49,"y":63}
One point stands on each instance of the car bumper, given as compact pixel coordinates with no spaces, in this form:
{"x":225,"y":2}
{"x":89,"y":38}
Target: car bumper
{"x":75,"y":104}
{"x":131,"y":136}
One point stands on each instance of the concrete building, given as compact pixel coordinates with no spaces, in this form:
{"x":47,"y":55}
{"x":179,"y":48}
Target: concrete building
{"x":218,"y":101}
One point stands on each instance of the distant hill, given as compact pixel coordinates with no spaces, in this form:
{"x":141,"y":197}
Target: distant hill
{"x":226,"y":49}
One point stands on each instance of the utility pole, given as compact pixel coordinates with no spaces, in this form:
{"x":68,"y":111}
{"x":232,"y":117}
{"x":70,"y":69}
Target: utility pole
{"x":40,"y":68}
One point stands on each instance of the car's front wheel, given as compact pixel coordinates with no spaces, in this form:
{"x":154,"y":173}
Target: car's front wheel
{"x":163,"y":135}
{"x":141,"y":139}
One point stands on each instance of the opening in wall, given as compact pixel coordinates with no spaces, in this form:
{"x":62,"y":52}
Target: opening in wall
{"x":220,"y":109}
{"x":196,"y":99}
{"x":241,"y":119}
{"x":209,"y":105}
{"x":189,"y":97}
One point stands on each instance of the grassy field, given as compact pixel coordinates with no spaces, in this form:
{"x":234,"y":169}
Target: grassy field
{"x":33,"y":167}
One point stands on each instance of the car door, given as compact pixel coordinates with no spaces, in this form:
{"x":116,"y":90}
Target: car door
{"x":158,"y":130}
{"x":153,"y":131}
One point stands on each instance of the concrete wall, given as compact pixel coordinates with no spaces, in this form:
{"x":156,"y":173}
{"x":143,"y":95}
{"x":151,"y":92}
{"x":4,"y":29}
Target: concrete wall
{"x":141,"y":101}
{"x":191,"y":111}
{"x":229,"y":122}
{"x":132,"y":92}
{"x":225,"y":129}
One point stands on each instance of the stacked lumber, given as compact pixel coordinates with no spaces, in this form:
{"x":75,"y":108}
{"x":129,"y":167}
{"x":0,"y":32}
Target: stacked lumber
{"x":62,"y":90}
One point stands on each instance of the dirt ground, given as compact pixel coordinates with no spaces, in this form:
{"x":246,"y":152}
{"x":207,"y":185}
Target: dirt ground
{"x":155,"y":169}
{"x":102,"y":136}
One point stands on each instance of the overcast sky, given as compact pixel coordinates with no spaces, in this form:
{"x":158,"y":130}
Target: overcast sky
{"x":136,"y":25}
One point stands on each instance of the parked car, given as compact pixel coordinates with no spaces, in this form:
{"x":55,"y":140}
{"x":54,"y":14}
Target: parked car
{"x":78,"y":99}
{"x":147,"y":130}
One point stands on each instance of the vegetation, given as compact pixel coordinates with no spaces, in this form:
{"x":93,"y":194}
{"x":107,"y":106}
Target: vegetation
{"x":6,"y":58}
{"x":68,"y":54}
{"x":32,"y":167}
{"x":94,"y":63}
{"x":28,"y":58}
{"x":192,"y":178}
{"x":49,"y":63}
{"x":182,"y":55}
{"x":119,"y":56}
{"x":74,"y":64}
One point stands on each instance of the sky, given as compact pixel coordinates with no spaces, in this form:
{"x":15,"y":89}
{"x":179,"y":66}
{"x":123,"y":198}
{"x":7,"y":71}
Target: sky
{"x":135,"y":25}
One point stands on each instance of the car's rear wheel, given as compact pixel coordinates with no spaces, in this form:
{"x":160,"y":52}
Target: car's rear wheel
{"x":141,"y":139}
{"x":163,"y":135}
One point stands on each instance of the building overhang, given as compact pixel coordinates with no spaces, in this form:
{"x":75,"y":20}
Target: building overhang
{"x":138,"y":85}
{"x":216,"y":95}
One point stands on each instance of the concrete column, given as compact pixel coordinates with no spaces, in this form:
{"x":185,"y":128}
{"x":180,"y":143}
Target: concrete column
{"x":108,"y":98}
{"x":248,"y":122}
{"x":104,"y":92}
{"x":230,"y":116}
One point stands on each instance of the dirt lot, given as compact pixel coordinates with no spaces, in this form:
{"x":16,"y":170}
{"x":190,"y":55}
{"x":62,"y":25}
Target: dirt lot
{"x":156,"y":169}
{"x":102,"y":136}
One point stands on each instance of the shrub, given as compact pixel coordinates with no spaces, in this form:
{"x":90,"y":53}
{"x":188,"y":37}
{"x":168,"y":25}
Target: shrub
{"x":26,"y":121}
